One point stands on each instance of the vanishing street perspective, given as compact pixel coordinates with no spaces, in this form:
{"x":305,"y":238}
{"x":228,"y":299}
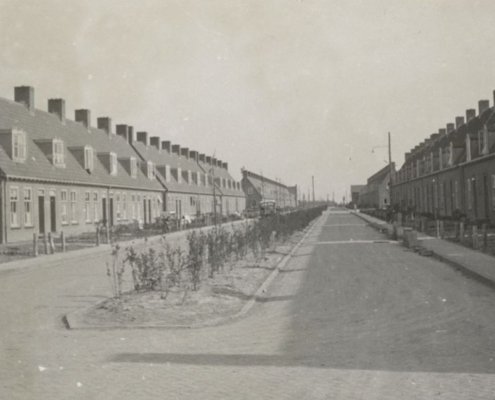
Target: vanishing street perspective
{"x":247,"y":200}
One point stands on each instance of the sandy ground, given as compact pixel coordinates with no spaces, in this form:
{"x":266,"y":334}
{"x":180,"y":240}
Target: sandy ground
{"x":347,"y":319}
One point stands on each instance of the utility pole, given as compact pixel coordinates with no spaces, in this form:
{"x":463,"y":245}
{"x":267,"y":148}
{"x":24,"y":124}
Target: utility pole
{"x":390,"y":156}
{"x":313,"y":184}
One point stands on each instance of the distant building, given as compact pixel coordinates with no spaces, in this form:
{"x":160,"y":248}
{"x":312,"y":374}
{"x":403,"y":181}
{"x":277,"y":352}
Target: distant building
{"x":376,"y":192}
{"x":355,"y":190}
{"x":258,"y":188}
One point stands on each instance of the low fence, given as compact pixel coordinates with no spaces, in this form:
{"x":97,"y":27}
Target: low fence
{"x":477,"y":236}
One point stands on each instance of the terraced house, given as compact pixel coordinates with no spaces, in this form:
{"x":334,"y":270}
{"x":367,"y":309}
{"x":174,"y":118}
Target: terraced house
{"x":260,"y":188}
{"x":452,"y":173}
{"x":195,"y":184}
{"x":58,"y":174}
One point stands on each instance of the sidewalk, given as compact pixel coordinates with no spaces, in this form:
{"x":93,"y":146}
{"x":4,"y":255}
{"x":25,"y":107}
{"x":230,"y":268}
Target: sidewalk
{"x":103,"y":249}
{"x":471,"y":261}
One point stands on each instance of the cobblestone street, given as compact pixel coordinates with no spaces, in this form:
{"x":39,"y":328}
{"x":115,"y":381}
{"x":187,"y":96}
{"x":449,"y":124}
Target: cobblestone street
{"x":352,"y":316}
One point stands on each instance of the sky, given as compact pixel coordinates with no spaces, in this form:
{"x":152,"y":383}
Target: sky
{"x":287,"y":88}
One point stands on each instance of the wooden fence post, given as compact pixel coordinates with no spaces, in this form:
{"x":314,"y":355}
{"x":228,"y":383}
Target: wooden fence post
{"x":52,"y":245}
{"x":35,"y":244}
{"x":485,"y":237}
{"x":97,"y":236}
{"x":62,"y":238}
{"x":475,"y":237}
{"x":45,"y":242}
{"x":461,"y":232}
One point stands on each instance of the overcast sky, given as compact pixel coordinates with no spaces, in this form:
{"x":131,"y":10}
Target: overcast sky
{"x":288,"y":88}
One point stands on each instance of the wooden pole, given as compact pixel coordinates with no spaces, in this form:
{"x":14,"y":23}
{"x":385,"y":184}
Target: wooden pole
{"x":45,"y":242}
{"x":35,"y":244}
{"x":62,"y":238}
{"x":97,"y":236}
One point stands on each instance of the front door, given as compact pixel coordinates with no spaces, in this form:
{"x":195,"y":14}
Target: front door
{"x":53,"y":214}
{"x":111,"y":212}
{"x":104,"y":209}
{"x":41,"y":213}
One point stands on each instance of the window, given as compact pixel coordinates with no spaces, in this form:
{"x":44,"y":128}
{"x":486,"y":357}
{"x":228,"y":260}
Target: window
{"x":113,"y":164}
{"x":150,"y":169}
{"x":63,"y":207}
{"x":133,"y":207}
{"x":133,"y":167}
{"x":18,"y":146}
{"x":493,"y":191}
{"x":118,"y":211}
{"x":88,"y":158}
{"x":14,"y":212}
{"x":469,"y":193}
{"x":58,"y":153}
{"x":87,"y":206}
{"x":28,"y":207}
{"x":124,"y":207}
{"x":95,"y":206}
{"x":73,"y":207}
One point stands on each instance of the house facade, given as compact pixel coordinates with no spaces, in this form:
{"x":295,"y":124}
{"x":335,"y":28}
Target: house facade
{"x":376,"y":192}
{"x":259,"y":188}
{"x":452,"y":173}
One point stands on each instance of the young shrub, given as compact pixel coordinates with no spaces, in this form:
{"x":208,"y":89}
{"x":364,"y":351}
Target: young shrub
{"x":195,"y":260}
{"x":115,"y":271}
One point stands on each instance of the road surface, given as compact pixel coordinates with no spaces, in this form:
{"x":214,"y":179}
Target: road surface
{"x":353,"y":316}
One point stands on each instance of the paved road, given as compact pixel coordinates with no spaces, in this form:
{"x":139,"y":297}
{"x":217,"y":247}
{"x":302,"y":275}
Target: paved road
{"x":352,"y":317}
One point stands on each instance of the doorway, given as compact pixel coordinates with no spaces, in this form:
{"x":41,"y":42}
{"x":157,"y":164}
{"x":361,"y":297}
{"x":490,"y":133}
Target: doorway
{"x":41,"y":214}
{"x":53,"y":214}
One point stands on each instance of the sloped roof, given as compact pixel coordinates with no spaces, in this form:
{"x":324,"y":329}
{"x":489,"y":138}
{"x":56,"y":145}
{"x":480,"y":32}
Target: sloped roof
{"x":41,"y":125}
{"x":221,"y":173}
{"x":162,"y":158}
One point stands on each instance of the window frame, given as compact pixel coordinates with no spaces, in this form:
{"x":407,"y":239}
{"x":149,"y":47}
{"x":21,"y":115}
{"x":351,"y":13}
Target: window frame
{"x":14,"y":207}
{"x":28,"y":207}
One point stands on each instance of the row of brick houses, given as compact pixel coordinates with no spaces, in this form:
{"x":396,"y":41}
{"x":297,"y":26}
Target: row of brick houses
{"x":452,"y":172}
{"x":259,"y":188}
{"x":58,"y":174}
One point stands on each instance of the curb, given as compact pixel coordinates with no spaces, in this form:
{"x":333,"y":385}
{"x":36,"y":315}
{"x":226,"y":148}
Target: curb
{"x":74,"y":319}
{"x":465,"y":270}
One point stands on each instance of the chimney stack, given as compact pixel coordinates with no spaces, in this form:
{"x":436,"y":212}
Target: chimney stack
{"x":442,"y":131}
{"x":130,"y":134}
{"x":176,"y":149}
{"x":122,"y":130}
{"x":208,"y":160}
{"x":57,"y":107}
{"x":166,"y":145}
{"x":25,"y":95}
{"x":193,"y":155}
{"x":450,"y":128}
{"x":83,"y":116}
{"x":459,"y":121}
{"x":470,"y":114}
{"x":202,"y":157}
{"x":104,"y":123}
{"x":143,"y":137}
{"x":185,"y":152}
{"x":225,"y":165}
{"x":483,"y":105}
{"x":155,"y":142}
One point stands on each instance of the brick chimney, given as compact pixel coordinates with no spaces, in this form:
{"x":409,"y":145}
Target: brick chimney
{"x":202,"y":157}
{"x":166,"y":145}
{"x":176,"y":149}
{"x":122,"y":130}
{"x":143,"y":137}
{"x":185,"y":152}
{"x":25,"y":95}
{"x":57,"y":107}
{"x":219,"y":163}
{"x":155,"y":142}
{"x":225,"y":165}
{"x":105,"y":124}
{"x":130,"y":134}
{"x":483,"y":105}
{"x":442,"y":131}
{"x":470,"y":114}
{"x":208,"y":160}
{"x":83,"y":116}
{"x":450,"y":128}
{"x":459,"y":121}
{"x":193,"y":155}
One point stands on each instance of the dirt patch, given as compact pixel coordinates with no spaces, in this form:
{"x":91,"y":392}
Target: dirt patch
{"x":221,"y":296}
